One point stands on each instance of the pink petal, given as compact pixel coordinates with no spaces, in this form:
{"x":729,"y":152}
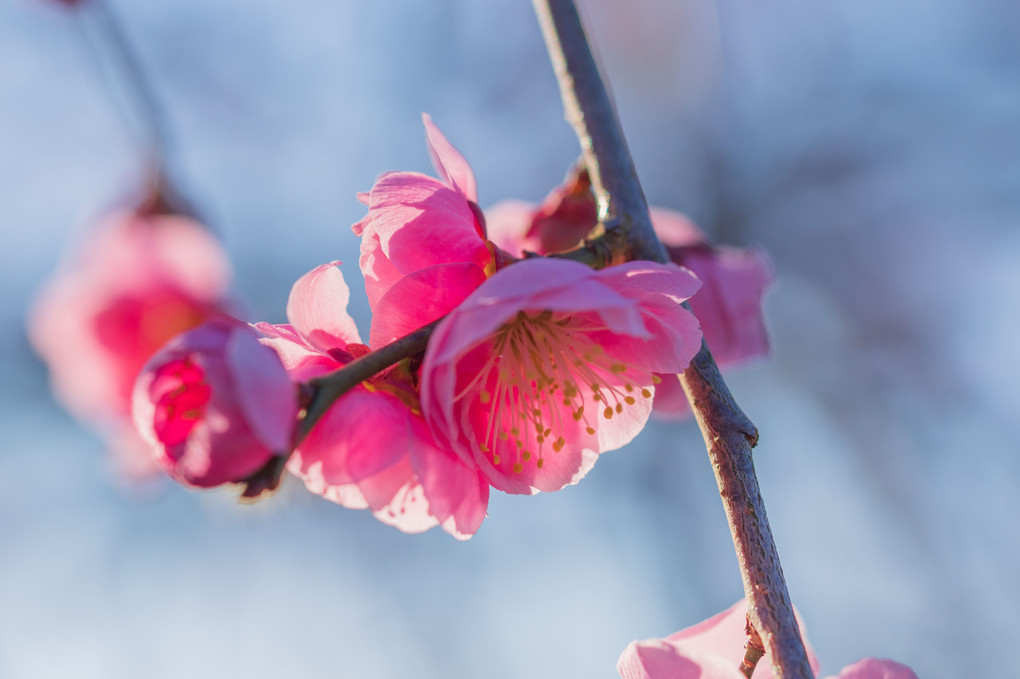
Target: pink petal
{"x":448,"y":161}
{"x":675,"y":229}
{"x":317,"y":308}
{"x":265,"y":392}
{"x":407,"y":509}
{"x":379,"y":272}
{"x":874,"y":668}
{"x":670,"y":400}
{"x":723,"y":635}
{"x":641,"y":279}
{"x":362,"y":434}
{"x":506,"y":224}
{"x":535,"y":284}
{"x":660,"y":659}
{"x":420,"y":222}
{"x":158,"y":248}
{"x":422,"y":297}
{"x":729,"y":304}
{"x":301,"y":361}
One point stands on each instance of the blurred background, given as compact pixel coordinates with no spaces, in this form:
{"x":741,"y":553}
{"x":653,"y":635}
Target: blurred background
{"x":873,"y":148}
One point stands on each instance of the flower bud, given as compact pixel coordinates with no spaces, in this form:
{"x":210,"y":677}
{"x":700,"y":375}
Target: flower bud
{"x":215,"y":404}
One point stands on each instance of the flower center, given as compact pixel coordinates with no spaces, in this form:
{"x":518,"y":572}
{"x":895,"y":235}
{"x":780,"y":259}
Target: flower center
{"x":546,"y":381}
{"x":181,"y":394}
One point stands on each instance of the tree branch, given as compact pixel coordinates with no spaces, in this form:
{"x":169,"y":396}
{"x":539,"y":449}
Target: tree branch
{"x":729,"y":434}
{"x":129,"y":75}
{"x":324,"y":390}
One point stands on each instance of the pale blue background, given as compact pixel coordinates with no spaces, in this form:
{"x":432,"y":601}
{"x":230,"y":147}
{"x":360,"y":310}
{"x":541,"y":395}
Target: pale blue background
{"x":872,"y":147}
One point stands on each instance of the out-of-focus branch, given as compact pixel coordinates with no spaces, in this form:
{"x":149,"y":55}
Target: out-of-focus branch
{"x":729,"y":434}
{"x":115,"y":50}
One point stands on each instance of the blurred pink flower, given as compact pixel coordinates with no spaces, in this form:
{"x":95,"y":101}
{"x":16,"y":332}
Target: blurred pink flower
{"x":728,"y":305}
{"x":423,"y":242}
{"x":372,"y":449}
{"x":714,"y":648}
{"x":550,"y":363}
{"x":136,"y":282}
{"x":215,"y":404}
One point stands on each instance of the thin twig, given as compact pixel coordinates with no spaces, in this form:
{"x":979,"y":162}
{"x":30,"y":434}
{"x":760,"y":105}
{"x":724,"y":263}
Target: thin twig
{"x":753,"y":650}
{"x":328,"y":388}
{"x":128,"y":74}
{"x":729,"y":434}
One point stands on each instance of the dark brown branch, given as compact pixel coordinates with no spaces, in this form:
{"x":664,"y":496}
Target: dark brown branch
{"x":622,"y":204}
{"x":729,"y":435}
{"x":328,"y":388}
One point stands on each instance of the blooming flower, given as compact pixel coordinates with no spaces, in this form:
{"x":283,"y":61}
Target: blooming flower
{"x":728,"y":305}
{"x":423,"y":242}
{"x":714,"y":648}
{"x":372,"y":448}
{"x":549,"y":363}
{"x":136,"y":282}
{"x":215,"y":404}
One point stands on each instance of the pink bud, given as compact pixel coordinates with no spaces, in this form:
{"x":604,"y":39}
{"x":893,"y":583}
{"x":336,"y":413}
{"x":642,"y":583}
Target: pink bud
{"x":215,"y":404}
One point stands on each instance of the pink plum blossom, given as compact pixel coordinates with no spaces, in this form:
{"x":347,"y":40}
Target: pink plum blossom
{"x":734,"y":280}
{"x":549,"y":363}
{"x":714,"y":648}
{"x":137,"y":281}
{"x":423,"y":242}
{"x":216,"y":404}
{"x":372,"y":449}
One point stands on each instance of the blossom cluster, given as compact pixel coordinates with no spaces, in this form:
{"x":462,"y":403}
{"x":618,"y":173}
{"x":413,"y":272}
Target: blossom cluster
{"x":537,"y":367}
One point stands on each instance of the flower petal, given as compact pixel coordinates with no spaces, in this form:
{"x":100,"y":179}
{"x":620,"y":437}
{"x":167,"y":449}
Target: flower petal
{"x":506,"y":224}
{"x":457,"y":493}
{"x":661,"y":659}
{"x":422,"y":297}
{"x":449,"y":162}
{"x":875,"y":668}
{"x":675,"y":229}
{"x":265,"y":392}
{"x":421,"y":222}
{"x":729,"y":303}
{"x":317,"y":308}
{"x":301,"y":361}
{"x":724,"y":635}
